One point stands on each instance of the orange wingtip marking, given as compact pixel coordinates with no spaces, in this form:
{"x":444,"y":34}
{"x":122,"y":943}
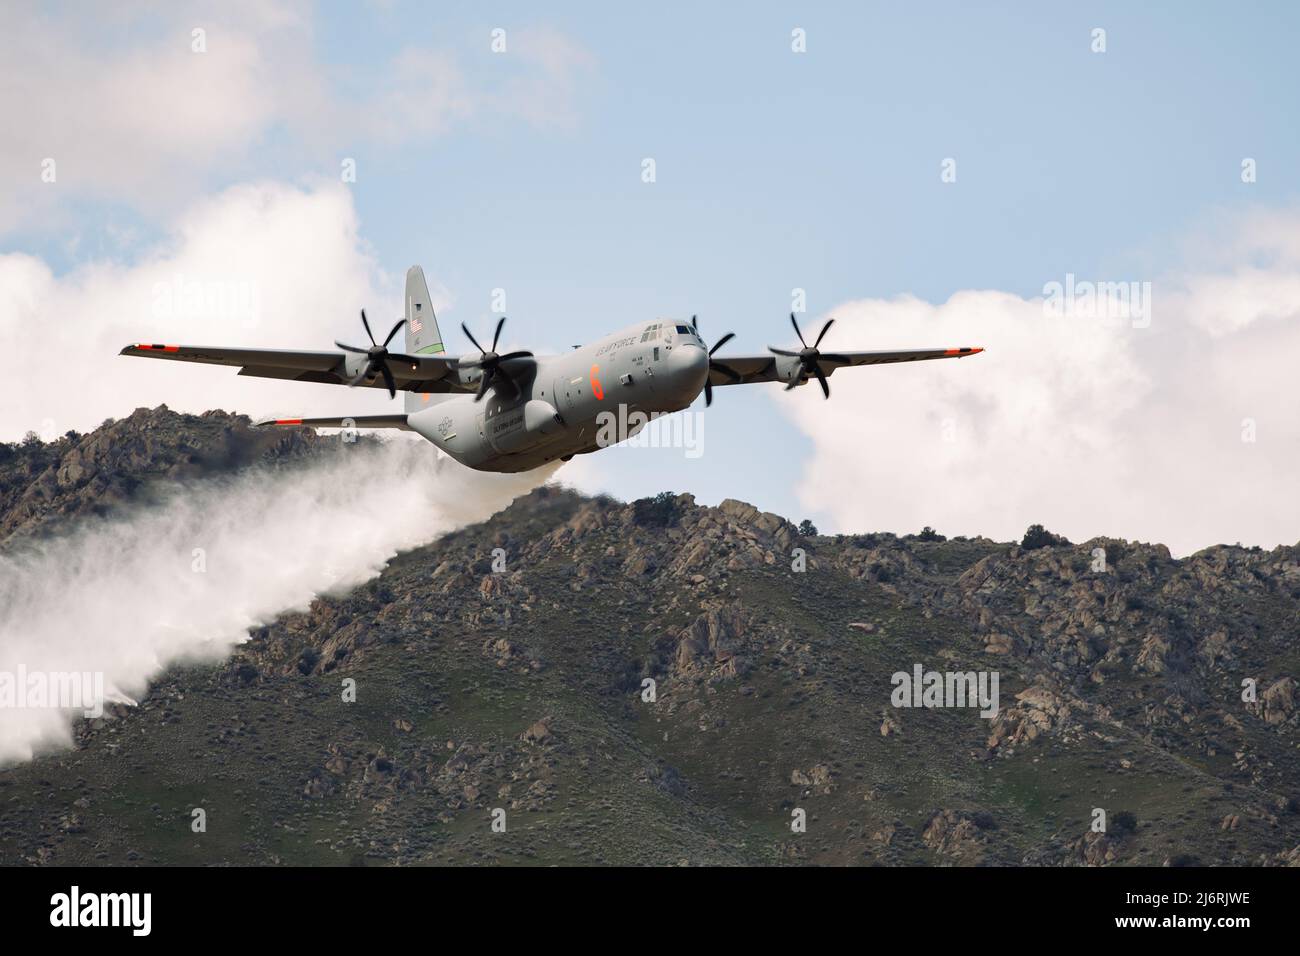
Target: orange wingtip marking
{"x":158,"y":348}
{"x":288,"y":421}
{"x":963,"y":351}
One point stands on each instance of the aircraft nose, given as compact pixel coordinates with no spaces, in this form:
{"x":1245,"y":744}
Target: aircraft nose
{"x":688,"y":366}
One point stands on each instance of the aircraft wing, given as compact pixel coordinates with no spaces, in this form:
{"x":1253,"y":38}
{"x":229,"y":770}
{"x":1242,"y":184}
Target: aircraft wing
{"x":776,"y":368}
{"x":417,"y":373}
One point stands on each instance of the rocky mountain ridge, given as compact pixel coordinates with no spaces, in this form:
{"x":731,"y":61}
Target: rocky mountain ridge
{"x":45,"y":483}
{"x":661,"y":682}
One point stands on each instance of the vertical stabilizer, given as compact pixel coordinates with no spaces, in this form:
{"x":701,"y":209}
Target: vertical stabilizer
{"x":422,"y":335}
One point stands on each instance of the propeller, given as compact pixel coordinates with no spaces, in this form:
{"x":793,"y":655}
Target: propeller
{"x":809,"y":358}
{"x":726,"y":370}
{"x":378,"y":355}
{"x":490,"y":362}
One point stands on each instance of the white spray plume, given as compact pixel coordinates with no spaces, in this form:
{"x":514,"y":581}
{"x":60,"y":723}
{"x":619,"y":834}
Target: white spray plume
{"x":122,"y":596}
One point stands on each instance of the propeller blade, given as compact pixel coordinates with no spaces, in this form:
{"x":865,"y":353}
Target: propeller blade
{"x":708,"y":393}
{"x":722,"y":341}
{"x":777,"y":351}
{"x":796,"y":330}
{"x":470,"y":335}
{"x":793,"y":383}
{"x":379,"y":356}
{"x":829,"y":323}
{"x":490,"y":362}
{"x":821,"y":377}
{"x":695,"y":324}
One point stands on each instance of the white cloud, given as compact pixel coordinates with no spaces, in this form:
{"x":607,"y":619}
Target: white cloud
{"x":263,"y":265}
{"x":144,"y":118}
{"x":1224,"y":305}
{"x":129,"y":112}
{"x":1085,"y":425}
{"x":259,"y":265}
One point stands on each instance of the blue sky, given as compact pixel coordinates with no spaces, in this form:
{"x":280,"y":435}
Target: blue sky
{"x":821,"y":170}
{"x":775,"y":170}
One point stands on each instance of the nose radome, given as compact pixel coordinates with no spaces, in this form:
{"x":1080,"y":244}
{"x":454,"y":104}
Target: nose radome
{"x":688,"y":366}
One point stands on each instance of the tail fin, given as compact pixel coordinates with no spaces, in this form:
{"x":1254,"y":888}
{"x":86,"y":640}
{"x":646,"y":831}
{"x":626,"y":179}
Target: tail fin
{"x":422,"y":335}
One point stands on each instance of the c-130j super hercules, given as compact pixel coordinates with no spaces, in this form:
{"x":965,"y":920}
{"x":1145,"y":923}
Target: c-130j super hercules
{"x":517,"y":411}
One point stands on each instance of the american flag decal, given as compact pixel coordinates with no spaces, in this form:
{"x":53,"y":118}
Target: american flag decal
{"x":416,"y":327}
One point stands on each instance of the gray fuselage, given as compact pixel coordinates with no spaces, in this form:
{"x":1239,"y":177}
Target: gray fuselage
{"x":649,"y":368}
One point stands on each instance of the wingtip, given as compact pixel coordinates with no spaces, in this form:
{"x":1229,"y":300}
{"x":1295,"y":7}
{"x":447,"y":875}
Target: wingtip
{"x":965,"y":351}
{"x":262,"y":422}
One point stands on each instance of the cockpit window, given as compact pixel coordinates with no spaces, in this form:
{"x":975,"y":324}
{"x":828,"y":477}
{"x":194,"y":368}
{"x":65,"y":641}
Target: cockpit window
{"x":683,"y":330}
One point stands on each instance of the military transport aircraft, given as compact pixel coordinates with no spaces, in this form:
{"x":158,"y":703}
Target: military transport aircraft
{"x":517,"y":411}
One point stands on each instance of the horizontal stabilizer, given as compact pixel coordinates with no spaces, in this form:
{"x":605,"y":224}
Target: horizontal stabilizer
{"x":354,"y":421}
